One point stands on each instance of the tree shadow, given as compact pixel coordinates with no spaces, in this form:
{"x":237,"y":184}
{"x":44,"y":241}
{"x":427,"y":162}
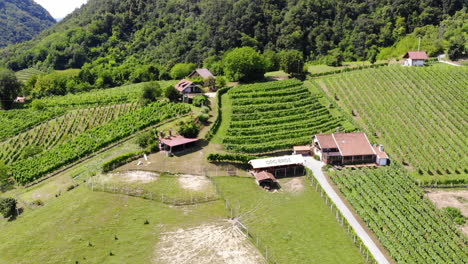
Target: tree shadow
{"x":18,"y":212}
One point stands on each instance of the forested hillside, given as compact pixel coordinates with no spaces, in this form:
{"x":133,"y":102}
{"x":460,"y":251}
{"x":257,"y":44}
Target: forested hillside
{"x":114,"y":32}
{"x":21,"y":20}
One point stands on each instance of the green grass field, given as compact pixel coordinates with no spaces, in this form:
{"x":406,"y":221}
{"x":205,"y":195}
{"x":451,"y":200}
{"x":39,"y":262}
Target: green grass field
{"x":417,"y":113}
{"x":82,"y":227}
{"x":297,"y":227}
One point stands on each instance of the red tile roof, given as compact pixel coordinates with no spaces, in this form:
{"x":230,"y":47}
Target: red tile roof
{"x":264,"y":175}
{"x":326,"y":141}
{"x":204,"y":73}
{"x":416,"y":55}
{"x":353,"y":144}
{"x":380,"y":154}
{"x":182,"y":85}
{"x":175,"y":141}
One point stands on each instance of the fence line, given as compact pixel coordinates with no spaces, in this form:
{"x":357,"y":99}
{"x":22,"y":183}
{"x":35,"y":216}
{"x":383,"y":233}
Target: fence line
{"x":148,"y":195}
{"x":342,"y":220}
{"x":235,"y":216}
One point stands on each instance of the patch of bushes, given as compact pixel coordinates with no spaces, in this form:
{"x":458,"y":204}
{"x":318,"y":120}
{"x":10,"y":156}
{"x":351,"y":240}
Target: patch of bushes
{"x":236,"y":158}
{"x":200,"y":100}
{"x":7,"y":207}
{"x":455,"y":214}
{"x":189,"y":129}
{"x":121,"y":160}
{"x":203,"y":118}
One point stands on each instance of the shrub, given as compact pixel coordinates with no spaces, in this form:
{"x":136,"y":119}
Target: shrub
{"x":205,"y":109}
{"x":200,"y":100}
{"x":203,"y":118}
{"x":189,"y":129}
{"x":317,"y":157}
{"x":180,"y":70}
{"x":38,"y":105}
{"x":7,"y":207}
{"x":151,"y":92}
{"x":38,"y":202}
{"x":172,"y":94}
{"x":244,"y":64}
{"x":455,"y":214}
{"x":145,"y":139}
{"x":121,"y":160}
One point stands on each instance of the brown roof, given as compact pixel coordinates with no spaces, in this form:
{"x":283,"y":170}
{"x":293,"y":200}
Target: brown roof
{"x":175,"y":141}
{"x":326,"y":141}
{"x":182,"y":85}
{"x":301,"y":148}
{"x":380,"y":154}
{"x":416,"y":55}
{"x":352,"y":144}
{"x":204,"y":73}
{"x":264,"y":175}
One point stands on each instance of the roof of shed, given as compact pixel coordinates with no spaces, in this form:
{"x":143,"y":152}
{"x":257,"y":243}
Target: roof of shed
{"x":205,"y":73}
{"x":264,"y":175}
{"x":277,"y":161}
{"x":183,"y":84}
{"x":175,"y":141}
{"x":416,"y":55}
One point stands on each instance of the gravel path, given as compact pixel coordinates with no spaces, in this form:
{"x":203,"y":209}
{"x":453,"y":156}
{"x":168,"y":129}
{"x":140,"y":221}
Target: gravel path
{"x":316,"y":167}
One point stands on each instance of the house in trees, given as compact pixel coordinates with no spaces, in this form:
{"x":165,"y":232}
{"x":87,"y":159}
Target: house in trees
{"x":349,"y":149}
{"x":188,"y":89}
{"x":204,"y":73}
{"x":415,"y":58}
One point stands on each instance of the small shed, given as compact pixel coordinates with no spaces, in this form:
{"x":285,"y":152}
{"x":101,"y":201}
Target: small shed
{"x":266,"y":180}
{"x":382,"y":158}
{"x":20,"y":99}
{"x":204,"y":73}
{"x":174,"y":144}
{"x":292,"y":165}
{"x":415,"y":58}
{"x":302,"y":150}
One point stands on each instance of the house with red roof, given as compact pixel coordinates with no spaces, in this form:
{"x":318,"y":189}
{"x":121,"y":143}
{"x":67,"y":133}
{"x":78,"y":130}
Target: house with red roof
{"x":188,"y":89}
{"x":415,"y":58}
{"x":204,"y":73}
{"x":348,"y":149}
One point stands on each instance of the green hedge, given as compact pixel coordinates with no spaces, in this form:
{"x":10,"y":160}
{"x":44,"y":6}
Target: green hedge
{"x":121,"y":160}
{"x":236,"y":158}
{"x":214,"y":128}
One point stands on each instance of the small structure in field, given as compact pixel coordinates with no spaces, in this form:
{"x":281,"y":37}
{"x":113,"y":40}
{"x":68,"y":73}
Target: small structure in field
{"x":204,"y":73}
{"x":267,"y":170}
{"x":188,"y":89}
{"x":415,"y":58}
{"x":302,"y":150}
{"x":173,"y":144}
{"x":349,"y":149}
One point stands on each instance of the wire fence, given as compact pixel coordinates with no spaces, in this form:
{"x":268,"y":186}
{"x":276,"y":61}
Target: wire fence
{"x":341,"y":219}
{"x":235,"y":214}
{"x":165,"y":198}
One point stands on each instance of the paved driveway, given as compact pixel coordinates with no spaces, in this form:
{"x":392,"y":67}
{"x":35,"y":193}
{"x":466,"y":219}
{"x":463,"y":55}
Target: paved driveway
{"x":316,"y":167}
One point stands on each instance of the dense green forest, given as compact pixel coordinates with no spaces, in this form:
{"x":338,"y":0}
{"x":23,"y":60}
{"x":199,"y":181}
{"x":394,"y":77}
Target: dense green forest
{"x":21,"y":20}
{"x":169,"y":31}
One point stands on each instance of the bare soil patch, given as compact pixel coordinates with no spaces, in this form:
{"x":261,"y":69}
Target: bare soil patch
{"x":134,"y":176}
{"x":457,"y":199}
{"x":295,"y":185}
{"x":194,"y":183}
{"x":219,"y":242}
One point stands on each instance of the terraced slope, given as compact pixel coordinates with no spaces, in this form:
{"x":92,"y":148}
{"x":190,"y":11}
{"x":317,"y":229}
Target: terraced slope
{"x":275,"y":116}
{"x":419,"y":114}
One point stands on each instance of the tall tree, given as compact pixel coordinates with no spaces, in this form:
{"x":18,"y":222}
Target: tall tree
{"x":244,"y":64}
{"x":9,"y":88}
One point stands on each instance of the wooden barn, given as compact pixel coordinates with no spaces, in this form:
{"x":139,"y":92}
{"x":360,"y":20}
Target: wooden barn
{"x":188,"y":89}
{"x":174,"y":144}
{"x":266,"y":171}
{"x":415,"y":58}
{"x":348,"y":149}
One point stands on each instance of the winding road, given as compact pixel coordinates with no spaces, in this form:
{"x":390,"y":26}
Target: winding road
{"x":316,"y":167}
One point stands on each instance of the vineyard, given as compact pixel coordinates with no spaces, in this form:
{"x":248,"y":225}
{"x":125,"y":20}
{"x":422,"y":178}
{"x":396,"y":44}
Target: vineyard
{"x":418,"y":113}
{"x":94,"y":139}
{"x":59,"y":130}
{"x":275,"y":116}
{"x":406,"y":223}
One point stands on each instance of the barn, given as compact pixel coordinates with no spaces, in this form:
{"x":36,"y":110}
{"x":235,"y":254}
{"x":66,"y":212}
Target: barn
{"x":174,"y":144}
{"x":267,"y":170}
{"x":415,"y":58}
{"x":348,"y":149}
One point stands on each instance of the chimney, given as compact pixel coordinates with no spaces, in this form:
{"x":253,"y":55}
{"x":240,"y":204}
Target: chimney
{"x":381,"y":148}
{"x":170,"y":133}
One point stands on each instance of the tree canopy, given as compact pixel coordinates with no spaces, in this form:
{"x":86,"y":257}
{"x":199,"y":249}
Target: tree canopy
{"x":244,"y":64}
{"x":9,"y":88}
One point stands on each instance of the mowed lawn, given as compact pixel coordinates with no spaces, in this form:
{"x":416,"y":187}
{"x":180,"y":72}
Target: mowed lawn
{"x":94,"y":227}
{"x":297,"y":227}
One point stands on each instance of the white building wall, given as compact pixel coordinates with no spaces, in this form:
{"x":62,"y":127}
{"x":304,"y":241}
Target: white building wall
{"x":418,"y":62}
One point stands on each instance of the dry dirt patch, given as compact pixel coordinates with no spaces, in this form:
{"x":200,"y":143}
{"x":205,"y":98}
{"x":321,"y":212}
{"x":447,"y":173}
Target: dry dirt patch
{"x":194,"y":183}
{"x":212,"y":243}
{"x":133,"y":176}
{"x":295,"y":185}
{"x":457,"y":199}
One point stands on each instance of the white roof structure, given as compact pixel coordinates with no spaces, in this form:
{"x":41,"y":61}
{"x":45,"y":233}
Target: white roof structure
{"x":277,"y":161}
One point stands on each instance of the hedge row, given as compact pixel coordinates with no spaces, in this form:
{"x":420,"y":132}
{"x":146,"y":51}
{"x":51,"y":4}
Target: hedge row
{"x":121,"y":160}
{"x":214,"y":128}
{"x":235,"y":158}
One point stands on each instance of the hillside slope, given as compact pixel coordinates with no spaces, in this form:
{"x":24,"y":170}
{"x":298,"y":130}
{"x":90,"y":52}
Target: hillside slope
{"x":168,"y":31}
{"x":21,"y":20}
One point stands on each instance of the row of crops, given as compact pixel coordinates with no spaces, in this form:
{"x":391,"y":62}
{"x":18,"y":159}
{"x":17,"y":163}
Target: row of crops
{"x":59,"y":131}
{"x":405,"y":222}
{"x":418,"y":113}
{"x":95,"y":139}
{"x":275,"y":116}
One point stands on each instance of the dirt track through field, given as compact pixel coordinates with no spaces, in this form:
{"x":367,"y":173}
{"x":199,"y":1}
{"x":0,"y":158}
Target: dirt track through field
{"x":211,"y":243}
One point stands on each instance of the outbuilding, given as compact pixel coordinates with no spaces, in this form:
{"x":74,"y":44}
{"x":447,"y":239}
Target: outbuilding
{"x":415,"y":58}
{"x":173,"y":144}
{"x":204,"y":73}
{"x":292,"y":165}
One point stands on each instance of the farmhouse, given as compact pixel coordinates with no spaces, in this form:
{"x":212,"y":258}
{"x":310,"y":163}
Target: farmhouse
{"x":204,"y":73}
{"x":172,"y":144}
{"x":348,"y":149}
{"x":188,"y":90}
{"x":415,"y":58}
